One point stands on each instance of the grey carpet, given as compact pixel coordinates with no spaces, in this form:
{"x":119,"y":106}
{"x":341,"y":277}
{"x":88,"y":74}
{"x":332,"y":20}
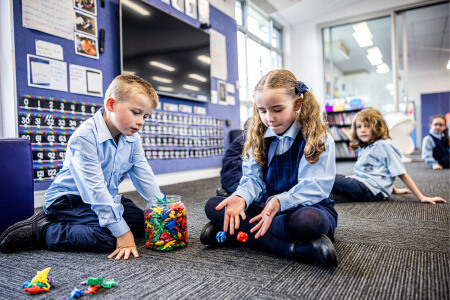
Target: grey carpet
{"x":395,"y":249}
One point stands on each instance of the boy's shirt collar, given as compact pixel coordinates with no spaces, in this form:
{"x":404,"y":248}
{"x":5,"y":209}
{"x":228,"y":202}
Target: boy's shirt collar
{"x":291,"y":132}
{"x":103,"y":132}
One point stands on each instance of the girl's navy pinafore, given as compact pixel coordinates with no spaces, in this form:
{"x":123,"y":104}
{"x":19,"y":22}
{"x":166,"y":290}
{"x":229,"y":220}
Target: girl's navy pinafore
{"x":440,"y":151}
{"x":281,"y":174}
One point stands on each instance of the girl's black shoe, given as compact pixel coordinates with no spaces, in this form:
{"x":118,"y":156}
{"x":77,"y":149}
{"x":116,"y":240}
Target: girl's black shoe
{"x":318,"y":251}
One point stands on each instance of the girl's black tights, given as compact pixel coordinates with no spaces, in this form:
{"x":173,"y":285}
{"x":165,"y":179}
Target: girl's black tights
{"x":304,"y":223}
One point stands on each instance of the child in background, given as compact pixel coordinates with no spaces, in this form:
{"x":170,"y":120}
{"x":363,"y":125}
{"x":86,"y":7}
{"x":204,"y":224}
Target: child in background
{"x":231,"y":171}
{"x":435,"y":146}
{"x":288,"y":172}
{"x":379,"y":162}
{"x":83,"y":211}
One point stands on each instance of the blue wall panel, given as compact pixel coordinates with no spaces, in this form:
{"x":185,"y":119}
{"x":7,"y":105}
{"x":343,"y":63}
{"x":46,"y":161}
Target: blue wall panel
{"x":433,"y":104}
{"x":109,"y":63}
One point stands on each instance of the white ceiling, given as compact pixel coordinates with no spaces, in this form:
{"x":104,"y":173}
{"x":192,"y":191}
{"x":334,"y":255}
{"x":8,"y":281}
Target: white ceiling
{"x":427,"y":28}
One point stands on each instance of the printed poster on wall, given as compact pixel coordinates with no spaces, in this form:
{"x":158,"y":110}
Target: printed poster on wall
{"x":85,"y":81}
{"x":46,"y":73}
{"x":178,"y":5}
{"x":203,"y":11}
{"x":47,"y":49}
{"x":218,"y":51}
{"x":54,"y":17}
{"x":191,"y":8}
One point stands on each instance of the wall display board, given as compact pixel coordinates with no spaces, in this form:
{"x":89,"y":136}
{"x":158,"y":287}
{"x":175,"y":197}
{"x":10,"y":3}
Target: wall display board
{"x":173,"y":140}
{"x":48,"y":123}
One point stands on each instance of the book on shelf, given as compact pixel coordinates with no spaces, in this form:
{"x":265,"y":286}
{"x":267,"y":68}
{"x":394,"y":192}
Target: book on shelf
{"x":343,"y":151}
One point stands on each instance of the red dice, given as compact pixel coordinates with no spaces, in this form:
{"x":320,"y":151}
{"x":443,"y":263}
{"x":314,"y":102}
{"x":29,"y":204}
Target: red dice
{"x":242,"y":237}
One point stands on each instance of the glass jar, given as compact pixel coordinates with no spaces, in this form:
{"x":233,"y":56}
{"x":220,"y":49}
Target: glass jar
{"x":166,"y":227}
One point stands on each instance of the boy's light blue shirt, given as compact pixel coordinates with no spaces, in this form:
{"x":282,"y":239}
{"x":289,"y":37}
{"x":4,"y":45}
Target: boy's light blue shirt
{"x":378,"y":165}
{"x":428,"y":145}
{"x":95,"y":166}
{"x":315,"y":181}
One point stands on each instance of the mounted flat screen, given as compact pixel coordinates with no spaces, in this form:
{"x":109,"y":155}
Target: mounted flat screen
{"x":167,"y":52}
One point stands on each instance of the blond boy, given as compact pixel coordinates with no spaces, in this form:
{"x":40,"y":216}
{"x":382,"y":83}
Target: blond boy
{"x":83,"y":211}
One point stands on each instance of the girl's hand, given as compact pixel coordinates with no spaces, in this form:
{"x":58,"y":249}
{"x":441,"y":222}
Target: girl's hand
{"x":265,"y":217}
{"x":439,"y":167}
{"x":125,"y":246}
{"x":234,"y":207}
{"x":401,"y":191}
{"x":432,"y":200}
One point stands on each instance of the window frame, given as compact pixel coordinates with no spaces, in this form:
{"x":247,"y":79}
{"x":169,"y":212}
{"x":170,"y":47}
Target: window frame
{"x":245,"y":5}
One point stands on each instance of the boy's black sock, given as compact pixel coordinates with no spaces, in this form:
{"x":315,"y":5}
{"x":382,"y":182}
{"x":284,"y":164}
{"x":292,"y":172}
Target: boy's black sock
{"x":27,"y":234}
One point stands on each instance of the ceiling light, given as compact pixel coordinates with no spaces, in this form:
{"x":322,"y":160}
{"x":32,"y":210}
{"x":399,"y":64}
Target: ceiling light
{"x":191,"y":87}
{"x":375,"y":51}
{"x":343,"y":49}
{"x":448,"y":65}
{"x":383,"y":68}
{"x":197,"y":77}
{"x":362,"y":39}
{"x":362,"y":34}
{"x":375,"y":60}
{"x":136,"y":7}
{"x":162,"y":66}
{"x":205,"y":59}
{"x":363,"y":28}
{"x":374,"y":56}
{"x":161,"y":79}
{"x":165,"y":88}
{"x":390,"y":86}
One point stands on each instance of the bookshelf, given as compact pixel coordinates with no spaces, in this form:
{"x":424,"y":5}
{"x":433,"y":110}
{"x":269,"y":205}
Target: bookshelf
{"x":340,"y":123}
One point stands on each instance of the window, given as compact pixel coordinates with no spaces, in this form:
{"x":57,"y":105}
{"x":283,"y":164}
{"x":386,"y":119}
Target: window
{"x":357,"y":62}
{"x":259,"y":51}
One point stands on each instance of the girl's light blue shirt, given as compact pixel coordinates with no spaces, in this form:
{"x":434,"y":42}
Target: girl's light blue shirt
{"x":428,"y":145}
{"x":95,"y":166}
{"x":315,"y":181}
{"x":378,"y":165}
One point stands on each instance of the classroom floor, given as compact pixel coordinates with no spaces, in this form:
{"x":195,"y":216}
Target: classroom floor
{"x":396,"y":249}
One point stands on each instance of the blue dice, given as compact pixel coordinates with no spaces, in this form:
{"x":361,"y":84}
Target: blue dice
{"x":221,"y":237}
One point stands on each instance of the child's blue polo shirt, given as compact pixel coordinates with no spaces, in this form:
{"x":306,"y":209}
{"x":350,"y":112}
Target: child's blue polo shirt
{"x":378,"y":165}
{"x":315,"y":181}
{"x":95,"y":166}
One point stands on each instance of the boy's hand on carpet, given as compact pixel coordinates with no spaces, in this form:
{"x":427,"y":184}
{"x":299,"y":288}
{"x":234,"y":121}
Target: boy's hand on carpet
{"x":265,"y":217}
{"x":125,"y":246}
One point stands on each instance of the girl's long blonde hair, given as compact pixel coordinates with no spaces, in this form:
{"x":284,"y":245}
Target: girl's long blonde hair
{"x":375,"y":120}
{"x":309,"y":119}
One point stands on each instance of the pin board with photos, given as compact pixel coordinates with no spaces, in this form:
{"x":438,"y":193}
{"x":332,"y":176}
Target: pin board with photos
{"x":62,"y":75}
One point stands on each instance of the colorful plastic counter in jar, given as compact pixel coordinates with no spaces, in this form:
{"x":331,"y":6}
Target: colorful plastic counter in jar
{"x":166,"y":227}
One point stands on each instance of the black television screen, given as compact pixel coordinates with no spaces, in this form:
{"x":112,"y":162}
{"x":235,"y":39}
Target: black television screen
{"x":167,"y":52}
